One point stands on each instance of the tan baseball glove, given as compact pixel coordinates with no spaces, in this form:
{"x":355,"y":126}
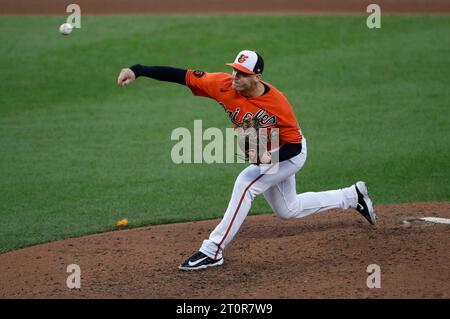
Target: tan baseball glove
{"x":251,"y":143}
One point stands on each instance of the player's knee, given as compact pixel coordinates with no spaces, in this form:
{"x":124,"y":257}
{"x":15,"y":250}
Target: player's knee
{"x":283,"y":214}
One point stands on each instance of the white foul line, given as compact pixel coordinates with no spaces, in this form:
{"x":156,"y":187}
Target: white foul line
{"x":439,"y":220}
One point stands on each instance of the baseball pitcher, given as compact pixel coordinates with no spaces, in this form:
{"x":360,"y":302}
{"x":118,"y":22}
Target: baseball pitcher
{"x":253,"y":103}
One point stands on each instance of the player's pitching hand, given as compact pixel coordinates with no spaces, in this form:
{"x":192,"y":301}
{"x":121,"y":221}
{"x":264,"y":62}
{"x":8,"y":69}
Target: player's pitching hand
{"x":126,"y":76}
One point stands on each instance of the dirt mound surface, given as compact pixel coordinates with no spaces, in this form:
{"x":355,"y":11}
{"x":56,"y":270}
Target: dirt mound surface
{"x":322,"y":256}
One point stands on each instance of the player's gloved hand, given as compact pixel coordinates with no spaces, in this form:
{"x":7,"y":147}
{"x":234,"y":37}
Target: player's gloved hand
{"x":264,"y":158}
{"x":250,"y":142}
{"x":126,"y":76}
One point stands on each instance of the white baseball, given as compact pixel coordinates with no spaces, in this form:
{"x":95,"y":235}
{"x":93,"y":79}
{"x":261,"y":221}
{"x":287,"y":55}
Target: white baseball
{"x":65,"y":28}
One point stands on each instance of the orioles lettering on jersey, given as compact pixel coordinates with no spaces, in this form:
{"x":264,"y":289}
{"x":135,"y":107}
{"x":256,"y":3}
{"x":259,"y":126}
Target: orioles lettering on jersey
{"x":265,"y":120}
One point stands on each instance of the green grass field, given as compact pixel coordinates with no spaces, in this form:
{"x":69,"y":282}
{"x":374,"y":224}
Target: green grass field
{"x":78,"y":153}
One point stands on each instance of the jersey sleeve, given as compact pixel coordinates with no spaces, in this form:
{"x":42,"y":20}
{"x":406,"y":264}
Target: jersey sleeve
{"x":205,"y":84}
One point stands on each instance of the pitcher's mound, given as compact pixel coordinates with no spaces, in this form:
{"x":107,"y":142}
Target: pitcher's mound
{"x":322,"y":256}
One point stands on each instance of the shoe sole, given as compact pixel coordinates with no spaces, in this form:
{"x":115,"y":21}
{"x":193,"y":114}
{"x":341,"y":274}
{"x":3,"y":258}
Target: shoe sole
{"x":363,"y":189}
{"x":220,"y":262}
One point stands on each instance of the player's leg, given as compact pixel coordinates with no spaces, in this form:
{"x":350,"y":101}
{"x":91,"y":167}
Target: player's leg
{"x":251,"y":182}
{"x":286,"y":203}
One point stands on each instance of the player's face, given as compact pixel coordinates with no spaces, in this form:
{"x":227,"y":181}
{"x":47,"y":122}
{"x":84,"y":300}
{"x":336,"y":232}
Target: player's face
{"x":243,"y":81}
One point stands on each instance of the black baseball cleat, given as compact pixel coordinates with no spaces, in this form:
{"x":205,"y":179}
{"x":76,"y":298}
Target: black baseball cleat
{"x":199,"y":261}
{"x":365,"y":205}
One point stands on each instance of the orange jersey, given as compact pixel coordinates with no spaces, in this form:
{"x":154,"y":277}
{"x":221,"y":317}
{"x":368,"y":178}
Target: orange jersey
{"x":272,"y":108}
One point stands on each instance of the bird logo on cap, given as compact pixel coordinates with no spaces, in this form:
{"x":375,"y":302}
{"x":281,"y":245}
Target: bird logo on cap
{"x":242,"y":58}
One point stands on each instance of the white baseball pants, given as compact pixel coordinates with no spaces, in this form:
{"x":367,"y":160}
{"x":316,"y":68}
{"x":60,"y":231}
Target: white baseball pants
{"x":279,"y":190}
